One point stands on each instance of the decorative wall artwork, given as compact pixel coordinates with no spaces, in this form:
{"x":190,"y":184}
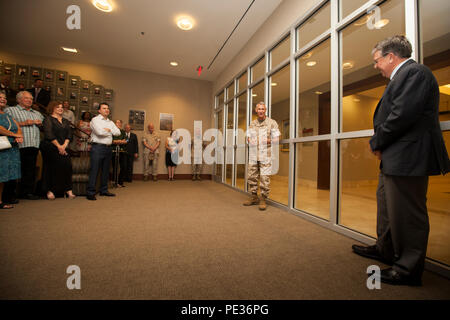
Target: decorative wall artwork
{"x":166,"y":121}
{"x":85,"y":85}
{"x":49,"y":75}
{"x":73,"y":95}
{"x":36,"y":73}
{"x":108,"y":94}
{"x":136,"y":119}
{"x":74,"y":81}
{"x":22,"y":72}
{"x":61,"y":76}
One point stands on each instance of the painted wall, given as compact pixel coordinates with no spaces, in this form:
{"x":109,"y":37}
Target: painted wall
{"x":187,"y":99}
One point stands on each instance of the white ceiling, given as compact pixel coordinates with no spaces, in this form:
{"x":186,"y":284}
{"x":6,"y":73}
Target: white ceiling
{"x":114,"y":39}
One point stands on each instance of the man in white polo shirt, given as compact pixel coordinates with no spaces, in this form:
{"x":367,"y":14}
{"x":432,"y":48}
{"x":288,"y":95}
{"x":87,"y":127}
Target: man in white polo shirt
{"x":102,"y":131}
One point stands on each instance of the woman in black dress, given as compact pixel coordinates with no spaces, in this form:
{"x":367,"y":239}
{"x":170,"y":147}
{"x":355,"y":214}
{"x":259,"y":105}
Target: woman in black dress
{"x":57,"y":166}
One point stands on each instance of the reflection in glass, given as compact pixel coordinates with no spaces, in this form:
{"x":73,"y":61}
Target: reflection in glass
{"x":313,"y":179}
{"x":259,"y":69}
{"x":314,"y":26}
{"x":229,"y":144}
{"x":220,"y":100}
{"x":279,"y":109}
{"x":314,"y":88}
{"x":240,"y":136}
{"x":348,"y":6}
{"x":242,"y":82}
{"x":230,"y":91}
{"x":219,"y":142}
{"x":258,"y":93}
{"x":363,"y":85}
{"x":280,"y":52}
{"x":359,"y":181}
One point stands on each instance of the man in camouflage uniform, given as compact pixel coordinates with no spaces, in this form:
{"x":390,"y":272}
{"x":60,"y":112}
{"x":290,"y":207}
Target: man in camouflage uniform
{"x":197,"y":161}
{"x":262,"y":132}
{"x":151,"y":143}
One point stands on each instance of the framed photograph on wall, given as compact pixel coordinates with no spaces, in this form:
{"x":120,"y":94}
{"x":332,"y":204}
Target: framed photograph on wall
{"x":22,"y":71}
{"x":73,"y":95}
{"x":108,"y":94}
{"x":61,"y":77}
{"x":84,"y":99}
{"x":36,"y":73}
{"x":85,"y":86}
{"x":166,"y":121}
{"x":49,"y":75}
{"x":21,"y":84}
{"x":9,"y":70}
{"x":97,"y":91}
{"x":50,"y":89}
{"x":136,"y":119}
{"x":74,"y":81}
{"x":285,"y":135}
{"x":60,"y":92}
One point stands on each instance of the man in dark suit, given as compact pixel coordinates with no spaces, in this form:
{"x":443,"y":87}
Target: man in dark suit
{"x":10,"y":93}
{"x":408,"y":141}
{"x":132,"y":149}
{"x":41,"y":97}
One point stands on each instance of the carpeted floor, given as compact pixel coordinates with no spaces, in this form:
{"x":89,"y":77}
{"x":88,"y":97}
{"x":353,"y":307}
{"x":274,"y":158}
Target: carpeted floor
{"x":181,"y":240}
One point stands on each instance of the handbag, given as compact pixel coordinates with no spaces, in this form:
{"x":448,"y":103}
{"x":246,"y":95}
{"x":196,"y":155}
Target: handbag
{"x":4,"y":142}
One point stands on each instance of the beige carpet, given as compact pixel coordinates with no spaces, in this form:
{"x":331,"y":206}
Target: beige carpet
{"x":181,"y":240}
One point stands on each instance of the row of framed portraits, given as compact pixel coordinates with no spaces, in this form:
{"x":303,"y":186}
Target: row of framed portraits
{"x":60,"y":84}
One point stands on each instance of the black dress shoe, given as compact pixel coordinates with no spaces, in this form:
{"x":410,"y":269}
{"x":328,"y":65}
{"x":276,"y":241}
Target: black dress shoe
{"x":12,"y":201}
{"x":370,"y":252}
{"x":107,"y":194}
{"x":391,"y":276}
{"x":91,"y":197}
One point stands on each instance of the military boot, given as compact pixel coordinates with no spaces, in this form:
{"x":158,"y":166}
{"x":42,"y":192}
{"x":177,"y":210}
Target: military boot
{"x":252,"y":201}
{"x":198,"y":178}
{"x":262,"y":203}
{"x":193,"y":177}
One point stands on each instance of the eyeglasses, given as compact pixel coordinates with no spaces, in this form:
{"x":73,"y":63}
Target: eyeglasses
{"x":375,"y":61}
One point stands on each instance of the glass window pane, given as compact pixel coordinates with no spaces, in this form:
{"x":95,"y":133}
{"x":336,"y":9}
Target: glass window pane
{"x":220,"y":100}
{"x":314,"y":91}
{"x":240,"y":150}
{"x":314,"y":26}
{"x":258,"y":93}
{"x":435,"y":30}
{"x":279,"y":99}
{"x":348,"y":6}
{"x":363,"y":85}
{"x":280,"y":52}
{"x":220,"y":143}
{"x":259,"y":69}
{"x":279,"y":183}
{"x":312,"y":193}
{"x":359,"y":180}
{"x":230,"y":91}
{"x":242,"y":82}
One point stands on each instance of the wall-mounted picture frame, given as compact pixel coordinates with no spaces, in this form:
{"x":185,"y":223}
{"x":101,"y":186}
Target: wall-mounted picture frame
{"x":22,"y":71}
{"x":136,"y":119}
{"x":85,"y":86}
{"x":60,"y":92}
{"x":285,"y":134}
{"x":36,"y":73}
{"x":21,"y":85}
{"x":84,"y":99}
{"x":74,"y":81}
{"x":108,"y":94}
{"x":9,"y":69}
{"x":74,"y":95}
{"x":50,"y":89}
{"x":49,"y":75}
{"x":61,"y":76}
{"x":97,"y":91}
{"x":166,"y":121}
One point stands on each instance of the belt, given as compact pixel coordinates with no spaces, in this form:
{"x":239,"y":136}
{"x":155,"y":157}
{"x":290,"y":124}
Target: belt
{"x":100,"y":144}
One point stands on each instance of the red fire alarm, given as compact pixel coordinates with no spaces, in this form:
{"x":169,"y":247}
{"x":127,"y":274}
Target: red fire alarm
{"x":199,"y":70}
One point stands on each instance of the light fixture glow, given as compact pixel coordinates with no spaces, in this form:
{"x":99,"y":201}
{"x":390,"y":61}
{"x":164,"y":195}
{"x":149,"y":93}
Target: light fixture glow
{"x":254,"y":95}
{"x":347,"y":65}
{"x":73,"y":50}
{"x":185,"y":23}
{"x":274,"y":84}
{"x":311,"y":63}
{"x":318,"y":92}
{"x":381,"y":23}
{"x":363,"y":20}
{"x":307,"y":55}
{"x":356,"y":100}
{"x":102,"y":5}
{"x":174,"y":63}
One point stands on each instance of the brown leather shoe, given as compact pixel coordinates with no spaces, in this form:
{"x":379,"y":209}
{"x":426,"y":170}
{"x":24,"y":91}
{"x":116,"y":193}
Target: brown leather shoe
{"x":252,"y":201}
{"x":262,"y":204}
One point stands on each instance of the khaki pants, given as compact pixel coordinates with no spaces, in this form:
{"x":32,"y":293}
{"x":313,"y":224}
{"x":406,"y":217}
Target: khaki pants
{"x":254,"y":174}
{"x":151,"y":164}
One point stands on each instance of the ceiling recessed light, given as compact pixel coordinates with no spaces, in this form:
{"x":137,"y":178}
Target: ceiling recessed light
{"x":73,"y":50}
{"x":318,"y":92}
{"x":102,"y":5}
{"x":311,"y":63}
{"x":307,"y":55}
{"x":347,"y":65}
{"x":173,"y":63}
{"x":381,"y":23}
{"x":185,"y":23}
{"x":254,"y":95}
{"x":274,"y":84}
{"x":356,"y":100}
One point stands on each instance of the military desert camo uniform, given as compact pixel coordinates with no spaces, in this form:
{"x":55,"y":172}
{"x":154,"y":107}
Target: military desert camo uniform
{"x":197,"y":160}
{"x":151,"y":159}
{"x":260,"y":155}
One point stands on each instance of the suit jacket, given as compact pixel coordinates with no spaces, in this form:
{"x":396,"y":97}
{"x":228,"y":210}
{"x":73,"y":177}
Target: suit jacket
{"x":406,"y":125}
{"x":42,"y":98}
{"x":10,"y":95}
{"x":132,"y":145}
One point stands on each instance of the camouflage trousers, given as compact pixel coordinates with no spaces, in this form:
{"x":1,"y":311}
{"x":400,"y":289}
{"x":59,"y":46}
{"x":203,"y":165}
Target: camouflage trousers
{"x":151,"y":164}
{"x":196,"y":168}
{"x":255,"y":173}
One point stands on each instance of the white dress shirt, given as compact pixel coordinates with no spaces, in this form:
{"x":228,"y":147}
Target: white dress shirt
{"x":99,"y":134}
{"x":398,"y":67}
{"x":69,"y":115}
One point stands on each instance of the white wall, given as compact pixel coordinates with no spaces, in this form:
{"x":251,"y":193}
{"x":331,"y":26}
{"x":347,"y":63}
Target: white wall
{"x":187,"y":99}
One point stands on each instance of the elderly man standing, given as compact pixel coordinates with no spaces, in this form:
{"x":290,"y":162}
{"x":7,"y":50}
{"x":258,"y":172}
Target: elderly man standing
{"x":408,"y":141}
{"x":102,"y":131}
{"x":151,"y":143}
{"x":29,"y":120}
{"x":262,"y":132}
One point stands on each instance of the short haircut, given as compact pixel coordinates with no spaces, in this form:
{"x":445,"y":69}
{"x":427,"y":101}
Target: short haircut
{"x":398,"y":45}
{"x":52,"y":105}
{"x":83,"y":115}
{"x":38,"y":79}
{"x":261,"y":103}
{"x":20,"y":94}
{"x":102,"y":103}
